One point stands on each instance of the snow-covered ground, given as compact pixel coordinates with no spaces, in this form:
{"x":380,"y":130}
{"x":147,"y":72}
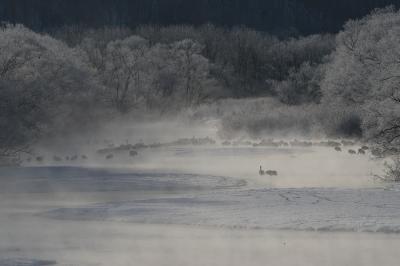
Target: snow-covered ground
{"x":202,"y":206}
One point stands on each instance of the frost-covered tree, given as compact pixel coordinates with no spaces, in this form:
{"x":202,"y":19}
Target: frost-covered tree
{"x":138,"y":75}
{"x":365,"y":73}
{"x":126,"y":72}
{"x":162,"y":92}
{"x":93,"y":42}
{"x":43,"y":85}
{"x":302,"y":86}
{"x":193,"y":69}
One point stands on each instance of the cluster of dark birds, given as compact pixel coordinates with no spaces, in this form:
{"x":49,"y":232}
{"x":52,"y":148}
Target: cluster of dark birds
{"x":337,"y":146}
{"x":56,"y":158}
{"x":75,"y":158}
{"x":362,"y":151}
{"x":271,"y":143}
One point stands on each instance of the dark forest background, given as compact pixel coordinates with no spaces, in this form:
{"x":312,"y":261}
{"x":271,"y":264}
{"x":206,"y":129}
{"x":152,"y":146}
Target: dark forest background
{"x":281,"y":17}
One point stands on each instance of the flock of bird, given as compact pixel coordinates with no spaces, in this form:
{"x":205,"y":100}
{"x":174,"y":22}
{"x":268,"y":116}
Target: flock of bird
{"x":362,"y":151}
{"x":74,"y":158}
{"x":56,"y":158}
{"x":339,"y":147}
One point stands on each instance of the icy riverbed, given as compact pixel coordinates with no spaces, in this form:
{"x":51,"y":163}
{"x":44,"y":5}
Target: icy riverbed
{"x":201,"y":206}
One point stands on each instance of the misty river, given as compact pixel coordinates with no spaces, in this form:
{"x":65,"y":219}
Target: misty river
{"x":201,"y":206}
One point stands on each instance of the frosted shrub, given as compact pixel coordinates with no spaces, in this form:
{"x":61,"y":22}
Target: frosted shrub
{"x":393,"y":170}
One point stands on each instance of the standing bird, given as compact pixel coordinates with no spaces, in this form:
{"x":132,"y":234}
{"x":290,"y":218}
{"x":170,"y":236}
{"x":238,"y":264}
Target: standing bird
{"x":261,"y":172}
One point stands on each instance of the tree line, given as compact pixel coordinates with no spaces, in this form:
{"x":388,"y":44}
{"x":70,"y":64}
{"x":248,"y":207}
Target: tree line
{"x":72,"y":76}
